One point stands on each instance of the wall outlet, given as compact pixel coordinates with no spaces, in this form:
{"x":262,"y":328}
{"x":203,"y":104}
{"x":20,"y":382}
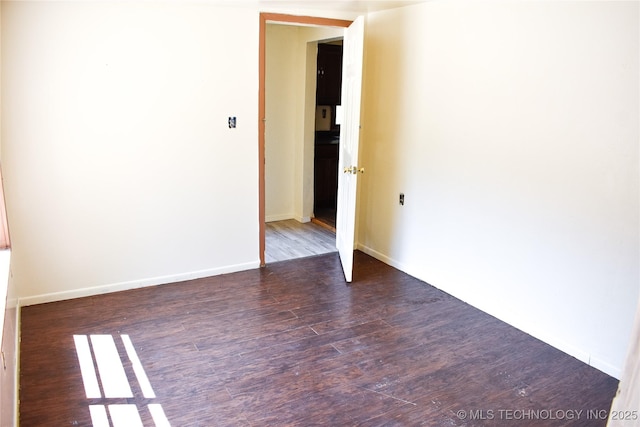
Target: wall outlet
{"x":401,"y":199}
{"x":232,"y":122}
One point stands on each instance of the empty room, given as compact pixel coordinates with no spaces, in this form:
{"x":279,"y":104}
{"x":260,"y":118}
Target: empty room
{"x":486,"y":268}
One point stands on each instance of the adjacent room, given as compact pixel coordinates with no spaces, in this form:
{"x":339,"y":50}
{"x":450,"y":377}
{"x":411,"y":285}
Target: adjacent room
{"x":301,"y":156}
{"x":146,"y":146}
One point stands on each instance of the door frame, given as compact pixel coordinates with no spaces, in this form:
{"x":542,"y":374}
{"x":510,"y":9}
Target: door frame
{"x":266,"y":17}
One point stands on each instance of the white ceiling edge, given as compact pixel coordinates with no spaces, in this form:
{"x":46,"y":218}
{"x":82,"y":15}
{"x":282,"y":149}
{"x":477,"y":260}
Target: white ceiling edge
{"x":345,"y":7}
{"x":333,"y":9}
{"x":350,"y":6}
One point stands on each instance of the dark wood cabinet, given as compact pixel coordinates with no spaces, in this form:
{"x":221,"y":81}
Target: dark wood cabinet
{"x":325,"y":176}
{"x":328,"y":90}
{"x":329,"y":79}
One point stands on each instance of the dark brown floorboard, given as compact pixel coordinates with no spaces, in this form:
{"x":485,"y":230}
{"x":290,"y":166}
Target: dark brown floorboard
{"x":293,"y":345}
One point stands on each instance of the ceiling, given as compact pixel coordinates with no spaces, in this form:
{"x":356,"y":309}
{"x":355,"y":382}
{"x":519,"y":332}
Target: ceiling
{"x":353,"y":6}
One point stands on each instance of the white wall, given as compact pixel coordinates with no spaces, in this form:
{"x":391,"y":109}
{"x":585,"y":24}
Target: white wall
{"x":283,"y":83}
{"x":10,"y":334}
{"x":290,"y":111}
{"x":9,"y":321}
{"x":120,"y":169}
{"x":513,"y":129}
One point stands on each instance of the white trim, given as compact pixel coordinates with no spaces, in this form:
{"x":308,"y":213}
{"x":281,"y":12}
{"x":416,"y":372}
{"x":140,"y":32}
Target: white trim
{"x":606,"y":367}
{"x":379,"y":256}
{"x":279,"y":217}
{"x":135,"y":284}
{"x":283,"y":217}
{"x":5,"y":269}
{"x":16,"y":379}
{"x":512,"y":319}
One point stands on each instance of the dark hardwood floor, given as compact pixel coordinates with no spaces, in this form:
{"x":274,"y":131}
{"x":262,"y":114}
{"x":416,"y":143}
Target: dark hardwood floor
{"x":293,"y":345}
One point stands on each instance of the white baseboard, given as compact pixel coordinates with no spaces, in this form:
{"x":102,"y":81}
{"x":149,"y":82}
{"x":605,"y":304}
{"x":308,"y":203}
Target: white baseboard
{"x":16,"y":380}
{"x":545,"y":336}
{"x":382,"y":257}
{"x":135,"y":284}
{"x":279,"y":217}
{"x":606,"y":367}
{"x":282,"y":217}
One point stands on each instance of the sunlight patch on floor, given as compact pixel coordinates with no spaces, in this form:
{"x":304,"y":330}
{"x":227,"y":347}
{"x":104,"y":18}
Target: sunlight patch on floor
{"x":110,"y":379}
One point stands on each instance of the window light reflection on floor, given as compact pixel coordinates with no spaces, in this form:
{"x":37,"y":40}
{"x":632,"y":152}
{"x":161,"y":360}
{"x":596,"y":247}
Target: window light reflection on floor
{"x":101,"y":351}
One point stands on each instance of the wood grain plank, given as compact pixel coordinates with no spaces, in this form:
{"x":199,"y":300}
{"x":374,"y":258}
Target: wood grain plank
{"x":292,"y":344}
{"x":291,"y":239}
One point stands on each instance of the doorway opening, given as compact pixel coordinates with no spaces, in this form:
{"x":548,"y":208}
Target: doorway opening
{"x":327,"y":133}
{"x":299,"y":174}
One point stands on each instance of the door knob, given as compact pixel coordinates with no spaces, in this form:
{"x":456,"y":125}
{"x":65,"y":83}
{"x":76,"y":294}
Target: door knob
{"x":353,"y":170}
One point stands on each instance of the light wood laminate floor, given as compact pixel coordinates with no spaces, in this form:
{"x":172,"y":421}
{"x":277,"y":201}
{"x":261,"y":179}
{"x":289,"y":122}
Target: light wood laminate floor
{"x":291,"y":239}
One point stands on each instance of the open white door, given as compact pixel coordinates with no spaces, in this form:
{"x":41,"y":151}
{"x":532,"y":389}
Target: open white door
{"x":627,"y":401}
{"x":349,"y":140}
